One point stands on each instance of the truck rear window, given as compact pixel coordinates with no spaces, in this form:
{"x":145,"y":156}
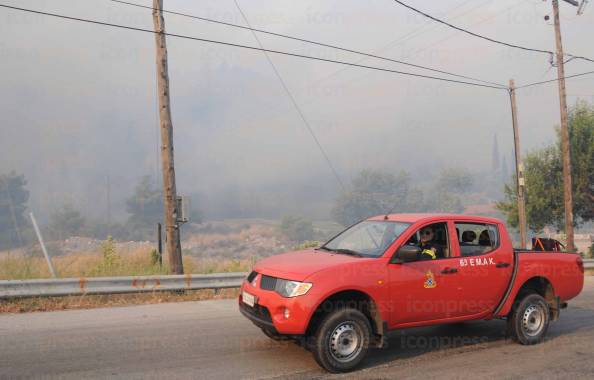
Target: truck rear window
{"x":476,"y":238}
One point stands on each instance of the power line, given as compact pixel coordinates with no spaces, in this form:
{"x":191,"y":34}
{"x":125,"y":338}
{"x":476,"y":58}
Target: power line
{"x":293,"y":101}
{"x":555,"y":80}
{"x":484,"y":37}
{"x":417,"y":51}
{"x":370,"y":55}
{"x":249,"y":47}
{"x":389,"y":45}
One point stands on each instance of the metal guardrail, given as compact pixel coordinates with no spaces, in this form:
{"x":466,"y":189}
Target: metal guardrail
{"x":131,"y":284}
{"x":118,"y":285}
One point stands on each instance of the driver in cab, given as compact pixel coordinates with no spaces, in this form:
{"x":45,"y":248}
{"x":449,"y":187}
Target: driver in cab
{"x":429,"y":250}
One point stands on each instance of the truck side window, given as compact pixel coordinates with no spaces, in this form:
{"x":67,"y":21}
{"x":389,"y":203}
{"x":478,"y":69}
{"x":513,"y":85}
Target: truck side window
{"x":477,"y":238}
{"x":439,"y":239}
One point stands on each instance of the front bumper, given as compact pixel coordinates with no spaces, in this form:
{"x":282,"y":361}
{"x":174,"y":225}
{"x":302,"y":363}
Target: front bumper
{"x":259,"y":315}
{"x":269,"y":310}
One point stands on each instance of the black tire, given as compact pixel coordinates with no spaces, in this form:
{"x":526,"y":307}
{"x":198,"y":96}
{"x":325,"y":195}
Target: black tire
{"x":341,"y":340}
{"x":528,"y":321}
{"x":274,"y":336}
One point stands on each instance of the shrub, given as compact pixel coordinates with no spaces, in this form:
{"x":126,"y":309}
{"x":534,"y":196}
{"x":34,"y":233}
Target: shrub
{"x":296,"y":228}
{"x":110,"y":254}
{"x":307,"y":244}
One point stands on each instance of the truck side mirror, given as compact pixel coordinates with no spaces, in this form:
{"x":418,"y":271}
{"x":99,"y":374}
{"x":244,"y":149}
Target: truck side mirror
{"x":405,"y":254}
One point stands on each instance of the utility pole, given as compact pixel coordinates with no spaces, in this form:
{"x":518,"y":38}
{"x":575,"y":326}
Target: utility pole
{"x":519,"y":167}
{"x":108,"y":194}
{"x":565,"y":149}
{"x":172,"y":235}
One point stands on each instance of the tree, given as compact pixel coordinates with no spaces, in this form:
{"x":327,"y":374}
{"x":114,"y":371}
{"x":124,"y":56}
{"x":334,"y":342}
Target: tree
{"x":145,"y":207}
{"x":455,"y":180}
{"x":544,"y":180}
{"x":581,"y":135}
{"x":443,"y":201}
{"x":66,"y":222}
{"x":296,"y":228}
{"x":374,"y":192}
{"x":544,"y":191}
{"x":13,"y":204}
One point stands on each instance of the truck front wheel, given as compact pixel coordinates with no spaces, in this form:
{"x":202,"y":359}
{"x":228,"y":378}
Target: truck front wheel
{"x":529,"y":320}
{"x":342,"y":340}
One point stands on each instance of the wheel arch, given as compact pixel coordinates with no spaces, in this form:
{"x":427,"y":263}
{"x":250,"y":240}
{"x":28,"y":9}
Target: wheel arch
{"x":542,"y":286}
{"x":351,"y":298}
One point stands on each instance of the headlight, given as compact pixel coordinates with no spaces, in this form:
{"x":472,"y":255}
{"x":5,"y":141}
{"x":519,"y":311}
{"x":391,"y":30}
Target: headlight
{"x":288,"y":288}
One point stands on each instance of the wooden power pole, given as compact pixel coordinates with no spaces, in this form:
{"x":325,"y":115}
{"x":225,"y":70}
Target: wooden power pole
{"x":172,"y":234}
{"x":519,"y":167}
{"x":565,"y":150}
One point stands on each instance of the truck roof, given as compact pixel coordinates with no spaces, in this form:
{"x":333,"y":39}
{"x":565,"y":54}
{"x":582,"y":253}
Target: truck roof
{"x":418,"y":217}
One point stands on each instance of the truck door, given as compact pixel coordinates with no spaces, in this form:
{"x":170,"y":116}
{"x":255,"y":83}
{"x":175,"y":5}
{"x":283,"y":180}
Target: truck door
{"x":426,"y":289}
{"x":485,"y":266}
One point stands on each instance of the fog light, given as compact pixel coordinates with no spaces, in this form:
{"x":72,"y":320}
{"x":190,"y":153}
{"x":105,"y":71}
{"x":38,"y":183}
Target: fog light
{"x":287,"y":313}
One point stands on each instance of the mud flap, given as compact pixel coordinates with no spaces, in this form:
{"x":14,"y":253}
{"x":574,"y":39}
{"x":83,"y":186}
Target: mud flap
{"x":556,"y":307}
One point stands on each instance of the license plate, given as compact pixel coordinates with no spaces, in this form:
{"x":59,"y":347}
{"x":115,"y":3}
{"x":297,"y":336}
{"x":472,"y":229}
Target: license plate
{"x":248,"y":299}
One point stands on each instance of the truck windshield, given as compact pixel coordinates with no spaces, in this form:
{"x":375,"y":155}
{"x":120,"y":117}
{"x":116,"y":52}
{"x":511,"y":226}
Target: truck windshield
{"x":368,"y":238}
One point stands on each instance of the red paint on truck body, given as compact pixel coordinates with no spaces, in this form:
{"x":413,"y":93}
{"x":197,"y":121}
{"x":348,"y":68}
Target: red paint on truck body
{"x":398,"y":291}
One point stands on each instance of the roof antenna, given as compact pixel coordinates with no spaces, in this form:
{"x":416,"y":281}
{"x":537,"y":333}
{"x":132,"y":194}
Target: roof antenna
{"x":389,"y":212}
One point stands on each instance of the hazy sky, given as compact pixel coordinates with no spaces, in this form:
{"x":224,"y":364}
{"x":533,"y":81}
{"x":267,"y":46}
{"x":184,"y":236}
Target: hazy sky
{"x":78,"y":100}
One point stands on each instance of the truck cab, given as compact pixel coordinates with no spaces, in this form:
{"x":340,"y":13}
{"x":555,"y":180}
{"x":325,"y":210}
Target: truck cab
{"x":405,"y":270}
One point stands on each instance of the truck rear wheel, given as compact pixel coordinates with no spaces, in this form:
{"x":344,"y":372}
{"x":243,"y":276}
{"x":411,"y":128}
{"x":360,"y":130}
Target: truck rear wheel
{"x":529,"y":320}
{"x":342,"y":340}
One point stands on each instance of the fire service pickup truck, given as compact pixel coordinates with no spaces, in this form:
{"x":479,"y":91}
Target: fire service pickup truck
{"x":406,"y":270}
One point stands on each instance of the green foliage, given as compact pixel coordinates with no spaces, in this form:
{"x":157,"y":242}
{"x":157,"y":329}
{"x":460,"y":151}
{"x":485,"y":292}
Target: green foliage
{"x":455,"y":180}
{"x":13,"y":204}
{"x":307,"y":244}
{"x":581,"y":132}
{"x":145,"y":206}
{"x":440,"y":200}
{"x":374,"y":192}
{"x":110,"y":255}
{"x":66,"y":222}
{"x":296,"y":228}
{"x":155,"y":257}
{"x":544,"y":178}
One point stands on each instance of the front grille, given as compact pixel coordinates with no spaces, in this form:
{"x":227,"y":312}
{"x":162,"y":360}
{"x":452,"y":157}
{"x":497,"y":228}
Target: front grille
{"x":267,"y":282}
{"x":251,"y":276}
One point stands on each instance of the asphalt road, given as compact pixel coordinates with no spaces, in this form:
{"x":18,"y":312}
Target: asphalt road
{"x":210,"y":340}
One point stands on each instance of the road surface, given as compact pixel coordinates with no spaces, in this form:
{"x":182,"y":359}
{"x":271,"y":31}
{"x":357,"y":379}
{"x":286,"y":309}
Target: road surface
{"x":210,"y":340}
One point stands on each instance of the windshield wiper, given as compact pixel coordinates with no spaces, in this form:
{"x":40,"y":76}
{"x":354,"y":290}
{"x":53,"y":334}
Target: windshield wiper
{"x":323,"y":248}
{"x":348,"y":252}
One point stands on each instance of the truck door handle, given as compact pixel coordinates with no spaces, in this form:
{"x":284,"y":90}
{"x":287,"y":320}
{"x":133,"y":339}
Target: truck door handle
{"x":501,"y":265}
{"x":449,"y":270}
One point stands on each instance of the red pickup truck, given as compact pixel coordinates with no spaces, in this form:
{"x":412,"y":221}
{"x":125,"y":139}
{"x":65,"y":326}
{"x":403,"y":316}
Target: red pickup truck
{"x":377,"y":275}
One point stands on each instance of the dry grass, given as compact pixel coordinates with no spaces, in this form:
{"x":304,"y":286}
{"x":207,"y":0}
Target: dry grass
{"x":27,"y":305}
{"x":88,"y":264}
{"x":139,"y":262}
